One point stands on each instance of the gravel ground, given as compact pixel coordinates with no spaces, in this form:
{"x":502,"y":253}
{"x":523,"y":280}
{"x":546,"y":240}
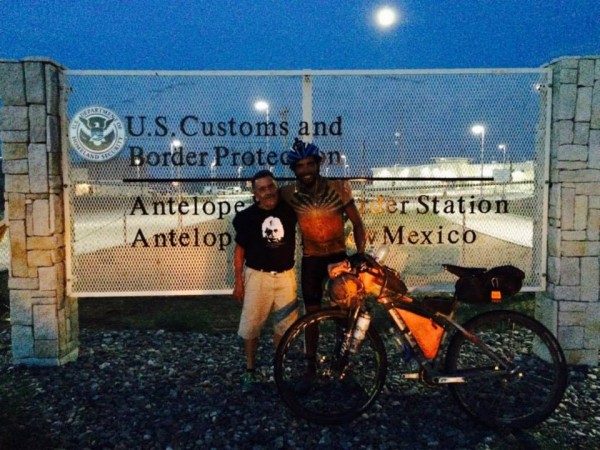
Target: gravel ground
{"x":169,"y":390}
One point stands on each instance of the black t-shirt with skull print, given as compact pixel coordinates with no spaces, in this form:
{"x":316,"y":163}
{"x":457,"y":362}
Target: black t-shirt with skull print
{"x":268,"y":236}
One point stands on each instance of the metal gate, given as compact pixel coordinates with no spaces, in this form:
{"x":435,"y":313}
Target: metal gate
{"x":446,"y":167}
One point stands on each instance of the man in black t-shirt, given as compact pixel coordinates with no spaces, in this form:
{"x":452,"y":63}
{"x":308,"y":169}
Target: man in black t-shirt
{"x":265,"y":281}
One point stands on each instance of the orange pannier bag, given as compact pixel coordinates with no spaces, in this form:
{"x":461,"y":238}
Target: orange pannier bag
{"x":426,"y":332}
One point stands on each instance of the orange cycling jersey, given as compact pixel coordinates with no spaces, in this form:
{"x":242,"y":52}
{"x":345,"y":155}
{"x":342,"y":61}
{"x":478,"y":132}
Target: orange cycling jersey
{"x":320,"y":214}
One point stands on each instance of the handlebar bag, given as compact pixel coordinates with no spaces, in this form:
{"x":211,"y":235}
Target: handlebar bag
{"x":493,"y":285}
{"x":374,"y":281}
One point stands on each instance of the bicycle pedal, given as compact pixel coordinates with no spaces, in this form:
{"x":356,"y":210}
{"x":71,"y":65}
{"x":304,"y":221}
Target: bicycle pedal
{"x":448,"y":380}
{"x":410,"y":376}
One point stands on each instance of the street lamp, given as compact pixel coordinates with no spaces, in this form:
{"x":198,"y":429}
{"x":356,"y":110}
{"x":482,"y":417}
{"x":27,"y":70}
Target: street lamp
{"x":397,"y":143}
{"x":502,"y":148}
{"x":261,"y":106}
{"x":480,"y":130}
{"x":137,"y":161}
{"x":239,"y":173}
{"x":176,"y":144}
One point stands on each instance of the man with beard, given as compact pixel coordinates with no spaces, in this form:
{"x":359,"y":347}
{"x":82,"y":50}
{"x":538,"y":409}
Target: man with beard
{"x":263,"y":262}
{"x":322,"y":206}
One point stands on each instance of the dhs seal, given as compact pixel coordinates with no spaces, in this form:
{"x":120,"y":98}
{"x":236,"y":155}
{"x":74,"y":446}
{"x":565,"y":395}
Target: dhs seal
{"x":97,"y":133}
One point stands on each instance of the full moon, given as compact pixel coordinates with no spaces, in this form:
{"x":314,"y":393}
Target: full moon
{"x":386,"y":17}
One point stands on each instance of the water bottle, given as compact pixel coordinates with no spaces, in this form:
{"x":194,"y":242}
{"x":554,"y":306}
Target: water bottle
{"x":405,"y":351}
{"x":360,"y":331}
{"x":381,"y":253}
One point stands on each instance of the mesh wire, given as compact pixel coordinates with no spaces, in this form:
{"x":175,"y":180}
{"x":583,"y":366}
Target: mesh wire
{"x":404,"y":139}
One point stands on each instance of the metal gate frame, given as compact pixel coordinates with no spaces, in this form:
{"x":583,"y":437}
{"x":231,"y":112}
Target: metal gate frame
{"x":307,"y":113}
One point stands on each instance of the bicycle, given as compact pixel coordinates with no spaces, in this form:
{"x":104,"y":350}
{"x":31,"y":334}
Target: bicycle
{"x":504,"y":368}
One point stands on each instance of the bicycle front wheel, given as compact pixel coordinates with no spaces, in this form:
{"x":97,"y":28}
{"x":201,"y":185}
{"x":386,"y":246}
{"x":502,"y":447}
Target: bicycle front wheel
{"x":327,"y":390}
{"x":526,"y":393}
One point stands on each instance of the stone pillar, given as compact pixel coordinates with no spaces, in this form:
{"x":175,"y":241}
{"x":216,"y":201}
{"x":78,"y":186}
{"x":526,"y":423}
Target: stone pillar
{"x":570,"y":306}
{"x":44,"y":322}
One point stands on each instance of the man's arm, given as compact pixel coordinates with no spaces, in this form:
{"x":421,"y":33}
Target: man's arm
{"x":238,"y":270}
{"x":357,"y":225}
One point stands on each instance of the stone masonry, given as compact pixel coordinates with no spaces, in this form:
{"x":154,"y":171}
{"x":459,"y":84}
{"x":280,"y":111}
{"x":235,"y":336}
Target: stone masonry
{"x":44,"y":321}
{"x":570,"y":306}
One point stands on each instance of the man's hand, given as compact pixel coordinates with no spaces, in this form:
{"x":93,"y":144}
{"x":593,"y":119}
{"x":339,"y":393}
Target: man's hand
{"x":238,"y":264}
{"x":357,"y":225}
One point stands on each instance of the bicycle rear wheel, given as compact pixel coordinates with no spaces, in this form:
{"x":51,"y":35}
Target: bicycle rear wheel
{"x":331,"y":394}
{"x":537,"y":379}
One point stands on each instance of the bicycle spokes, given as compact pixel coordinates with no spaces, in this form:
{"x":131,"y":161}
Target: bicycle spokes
{"x":523,"y":390}
{"x":342,"y":383}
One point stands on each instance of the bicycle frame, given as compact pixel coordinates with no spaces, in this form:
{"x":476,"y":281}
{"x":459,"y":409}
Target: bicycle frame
{"x":431,"y":372}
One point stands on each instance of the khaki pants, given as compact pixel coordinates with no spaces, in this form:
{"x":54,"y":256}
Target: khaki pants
{"x":266,"y":293}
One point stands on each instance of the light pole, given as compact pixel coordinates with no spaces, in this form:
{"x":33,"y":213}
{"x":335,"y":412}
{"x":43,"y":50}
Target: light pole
{"x":239,"y":171}
{"x":137,"y":161}
{"x":397,"y":144}
{"x":176,"y":144}
{"x":261,"y":106}
{"x":502,"y":148}
{"x":213,"y":171}
{"x":480,"y":130}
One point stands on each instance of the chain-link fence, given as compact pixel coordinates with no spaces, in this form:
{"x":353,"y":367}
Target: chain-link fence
{"x":4,"y":239}
{"x":446,"y":167}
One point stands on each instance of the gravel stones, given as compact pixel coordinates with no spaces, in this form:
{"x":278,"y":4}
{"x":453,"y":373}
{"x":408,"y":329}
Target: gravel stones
{"x":173,"y":390}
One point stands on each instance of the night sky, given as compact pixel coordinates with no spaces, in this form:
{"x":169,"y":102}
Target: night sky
{"x":309,"y":34}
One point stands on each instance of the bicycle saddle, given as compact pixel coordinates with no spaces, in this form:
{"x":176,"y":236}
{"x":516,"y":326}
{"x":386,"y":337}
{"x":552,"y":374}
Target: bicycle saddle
{"x":463,"y":271}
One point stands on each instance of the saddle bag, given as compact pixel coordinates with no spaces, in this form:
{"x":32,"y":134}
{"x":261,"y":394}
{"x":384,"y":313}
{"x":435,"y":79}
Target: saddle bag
{"x":493,"y":285}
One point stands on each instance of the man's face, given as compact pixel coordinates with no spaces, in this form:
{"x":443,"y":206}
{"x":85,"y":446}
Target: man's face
{"x":307,"y":170}
{"x":265,"y":192}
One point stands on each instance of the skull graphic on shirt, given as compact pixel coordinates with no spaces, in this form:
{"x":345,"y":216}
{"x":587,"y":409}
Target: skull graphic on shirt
{"x":272,"y":229}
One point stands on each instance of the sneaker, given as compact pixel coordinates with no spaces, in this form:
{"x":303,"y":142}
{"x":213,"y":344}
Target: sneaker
{"x":248,"y":382}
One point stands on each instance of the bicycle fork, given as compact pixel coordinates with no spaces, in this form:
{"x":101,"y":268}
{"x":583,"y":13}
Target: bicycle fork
{"x":352,"y":340}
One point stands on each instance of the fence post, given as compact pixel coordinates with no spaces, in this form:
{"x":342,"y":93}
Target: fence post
{"x":44,"y":321}
{"x":570,"y":306}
